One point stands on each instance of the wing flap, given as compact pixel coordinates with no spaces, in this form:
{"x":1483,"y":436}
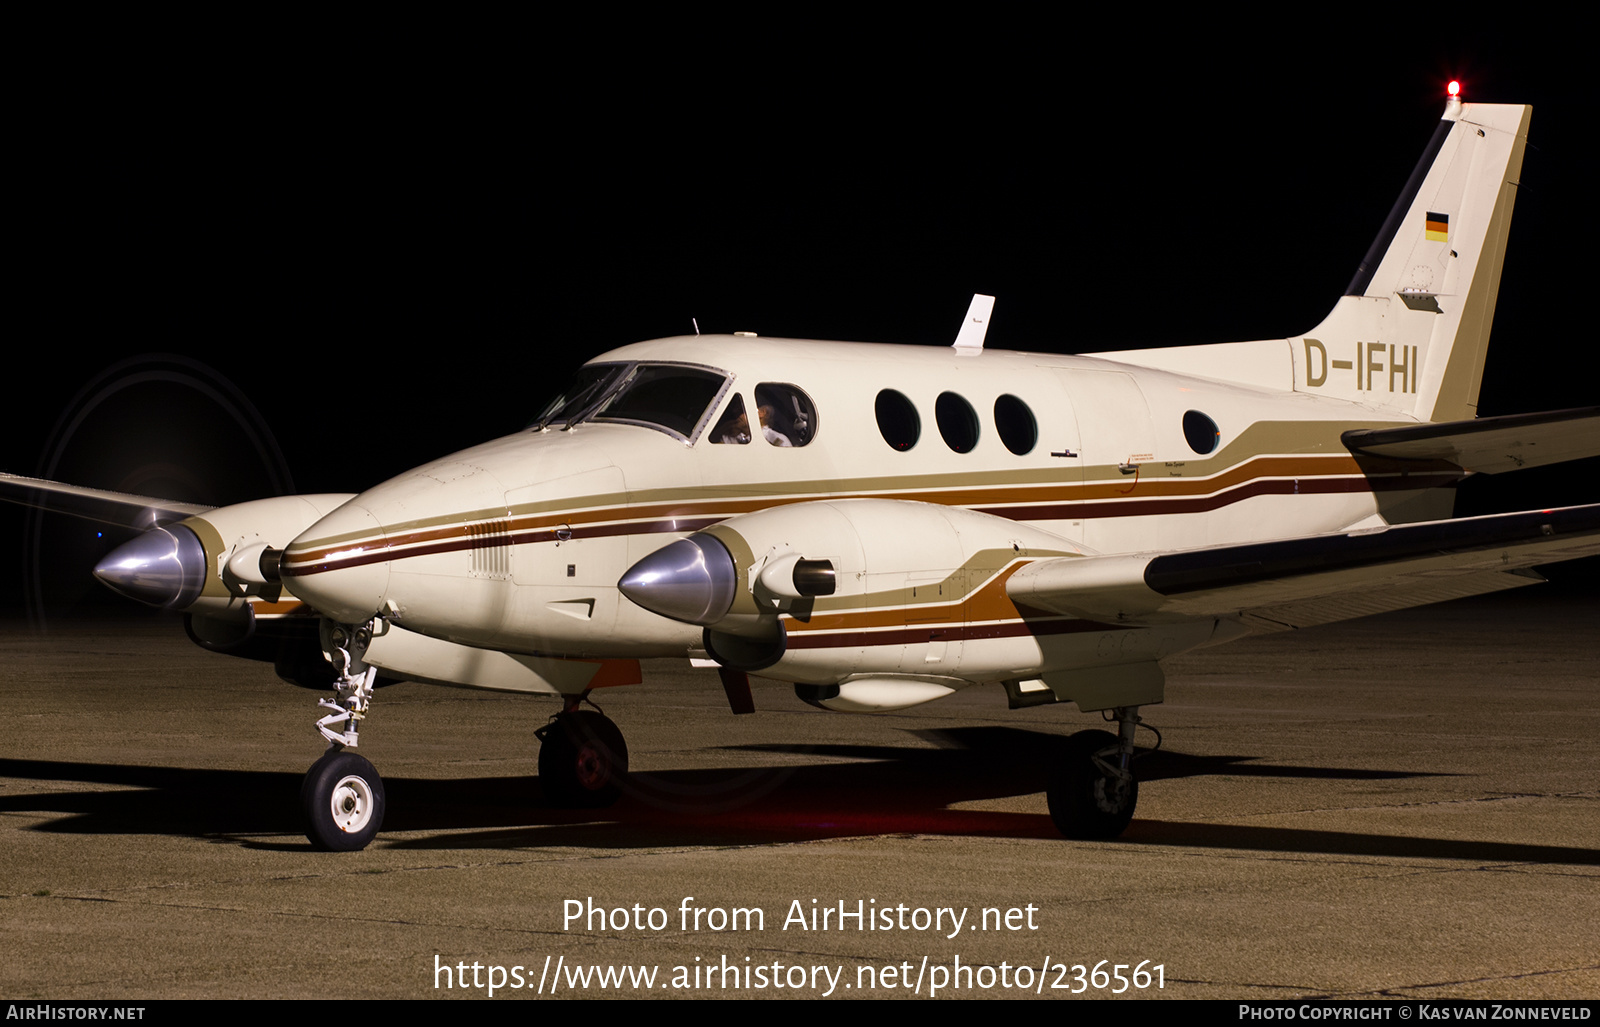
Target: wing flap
{"x":1317,"y":579}
{"x":1489,"y":444}
{"x":1398,"y":595}
{"x":100,"y":505}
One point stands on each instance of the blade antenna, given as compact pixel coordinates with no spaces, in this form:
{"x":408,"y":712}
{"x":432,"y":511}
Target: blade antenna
{"x":969,"y":341}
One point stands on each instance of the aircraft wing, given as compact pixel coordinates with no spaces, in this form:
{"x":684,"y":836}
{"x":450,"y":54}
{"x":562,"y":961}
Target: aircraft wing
{"x":101,"y":505}
{"x":1318,"y":579}
{"x":1489,"y":444}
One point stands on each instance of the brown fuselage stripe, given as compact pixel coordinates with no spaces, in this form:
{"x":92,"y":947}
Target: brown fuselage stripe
{"x":461,"y":541}
{"x":456,"y":537}
{"x":728,"y":506}
{"x":1204,"y":504}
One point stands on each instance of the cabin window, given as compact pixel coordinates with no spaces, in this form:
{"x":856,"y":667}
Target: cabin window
{"x":672,"y":397}
{"x":958,"y":423}
{"x":1200,"y":432}
{"x":734,"y":427}
{"x":1015,"y":423}
{"x":897,"y":420}
{"x":786,"y":414}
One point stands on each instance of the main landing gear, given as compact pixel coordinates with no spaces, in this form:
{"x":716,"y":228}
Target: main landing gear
{"x":1092,"y":790}
{"x":582,"y":758}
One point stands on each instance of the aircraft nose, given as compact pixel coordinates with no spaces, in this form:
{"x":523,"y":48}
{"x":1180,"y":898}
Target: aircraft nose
{"x":163,"y":567}
{"x":691,"y":580}
{"x":340,"y":565}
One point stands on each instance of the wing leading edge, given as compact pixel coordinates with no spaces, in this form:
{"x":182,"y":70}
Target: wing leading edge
{"x":1318,"y":579}
{"x":100,"y":505}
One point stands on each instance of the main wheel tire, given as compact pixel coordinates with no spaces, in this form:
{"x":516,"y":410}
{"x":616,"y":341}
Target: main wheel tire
{"x":1085,"y":802}
{"x":582,"y":761}
{"x":343,"y":801}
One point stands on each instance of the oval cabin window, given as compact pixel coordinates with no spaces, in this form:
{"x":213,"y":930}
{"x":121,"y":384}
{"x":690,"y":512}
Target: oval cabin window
{"x":1015,"y":423}
{"x":958,"y":423}
{"x":897,"y":420}
{"x":1200,"y":432}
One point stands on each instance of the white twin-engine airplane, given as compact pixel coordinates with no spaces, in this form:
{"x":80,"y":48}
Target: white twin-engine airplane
{"x":884,"y":525}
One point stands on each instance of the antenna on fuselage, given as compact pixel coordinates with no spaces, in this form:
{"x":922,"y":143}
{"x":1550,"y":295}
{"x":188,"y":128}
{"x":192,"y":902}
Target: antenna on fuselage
{"x":969,"y":341}
{"x":696,"y":325}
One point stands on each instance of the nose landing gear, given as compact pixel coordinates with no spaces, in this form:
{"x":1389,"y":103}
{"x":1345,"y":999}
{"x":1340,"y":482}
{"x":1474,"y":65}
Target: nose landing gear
{"x":342,"y":794}
{"x":343,"y":801}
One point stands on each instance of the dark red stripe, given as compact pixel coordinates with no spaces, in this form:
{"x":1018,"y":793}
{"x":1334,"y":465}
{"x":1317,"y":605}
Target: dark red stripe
{"x":1204,"y":504}
{"x":953,"y":633}
{"x":383,"y":553}
{"x":1066,"y":510}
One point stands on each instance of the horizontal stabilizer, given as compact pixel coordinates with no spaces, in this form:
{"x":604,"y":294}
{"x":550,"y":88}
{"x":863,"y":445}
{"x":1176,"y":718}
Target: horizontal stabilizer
{"x":100,"y":505}
{"x":1489,"y":444}
{"x":1317,"y":579}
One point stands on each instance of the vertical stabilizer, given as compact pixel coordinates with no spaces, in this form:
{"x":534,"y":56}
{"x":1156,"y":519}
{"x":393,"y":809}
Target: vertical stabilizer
{"x":1412,"y":330}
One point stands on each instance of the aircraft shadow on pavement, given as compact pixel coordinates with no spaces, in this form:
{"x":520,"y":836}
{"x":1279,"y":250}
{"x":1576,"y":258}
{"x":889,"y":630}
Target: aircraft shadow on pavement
{"x":858,"y":790}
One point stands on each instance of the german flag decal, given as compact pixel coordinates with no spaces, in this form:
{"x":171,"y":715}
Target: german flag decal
{"x":1438,"y":227}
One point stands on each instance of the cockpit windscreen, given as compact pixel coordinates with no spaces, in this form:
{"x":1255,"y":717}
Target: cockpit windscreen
{"x":586,"y":389}
{"x":670,"y":396}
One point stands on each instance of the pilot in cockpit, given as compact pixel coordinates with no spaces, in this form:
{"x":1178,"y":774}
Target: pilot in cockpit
{"x":766,"y":412}
{"x":778,"y":426}
{"x":734,"y":428}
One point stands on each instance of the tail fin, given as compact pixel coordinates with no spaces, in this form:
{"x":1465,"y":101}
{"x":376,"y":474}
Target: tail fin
{"x":1411,"y":332}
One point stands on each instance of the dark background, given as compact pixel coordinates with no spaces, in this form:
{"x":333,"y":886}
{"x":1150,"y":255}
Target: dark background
{"x":312,"y":263}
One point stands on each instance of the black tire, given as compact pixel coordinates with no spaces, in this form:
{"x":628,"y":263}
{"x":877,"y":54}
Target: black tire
{"x":343,"y":800}
{"x":1084,"y":802}
{"x":582,"y":761}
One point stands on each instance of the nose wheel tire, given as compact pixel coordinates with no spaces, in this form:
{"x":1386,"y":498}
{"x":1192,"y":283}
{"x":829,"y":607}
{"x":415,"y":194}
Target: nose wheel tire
{"x":582,"y":760}
{"x":1087,"y":802}
{"x":343,"y":801}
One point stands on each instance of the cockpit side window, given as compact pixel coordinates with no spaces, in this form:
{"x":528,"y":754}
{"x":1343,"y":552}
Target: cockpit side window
{"x":734,"y":428}
{"x":787,"y":415}
{"x":673,"y":397}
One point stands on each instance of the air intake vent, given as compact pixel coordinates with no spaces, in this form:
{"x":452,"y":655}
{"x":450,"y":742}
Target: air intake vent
{"x":491,"y":549}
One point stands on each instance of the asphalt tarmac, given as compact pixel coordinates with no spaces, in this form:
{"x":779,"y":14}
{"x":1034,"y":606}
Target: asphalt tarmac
{"x":1403,"y":806}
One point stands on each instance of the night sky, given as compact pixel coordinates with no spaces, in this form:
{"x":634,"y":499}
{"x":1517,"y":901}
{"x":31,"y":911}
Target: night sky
{"x":311,"y":274}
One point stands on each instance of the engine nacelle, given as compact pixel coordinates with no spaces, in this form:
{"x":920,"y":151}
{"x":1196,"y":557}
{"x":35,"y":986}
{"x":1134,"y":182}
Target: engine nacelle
{"x":837,"y":590}
{"x":213,"y":564}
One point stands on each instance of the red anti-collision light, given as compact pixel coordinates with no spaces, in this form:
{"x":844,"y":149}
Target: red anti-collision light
{"x":1455,"y":88}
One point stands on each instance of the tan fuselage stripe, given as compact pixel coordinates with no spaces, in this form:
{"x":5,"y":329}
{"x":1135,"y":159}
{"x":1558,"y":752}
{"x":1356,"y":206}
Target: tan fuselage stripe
{"x":987,"y":612}
{"x":1063,"y":501}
